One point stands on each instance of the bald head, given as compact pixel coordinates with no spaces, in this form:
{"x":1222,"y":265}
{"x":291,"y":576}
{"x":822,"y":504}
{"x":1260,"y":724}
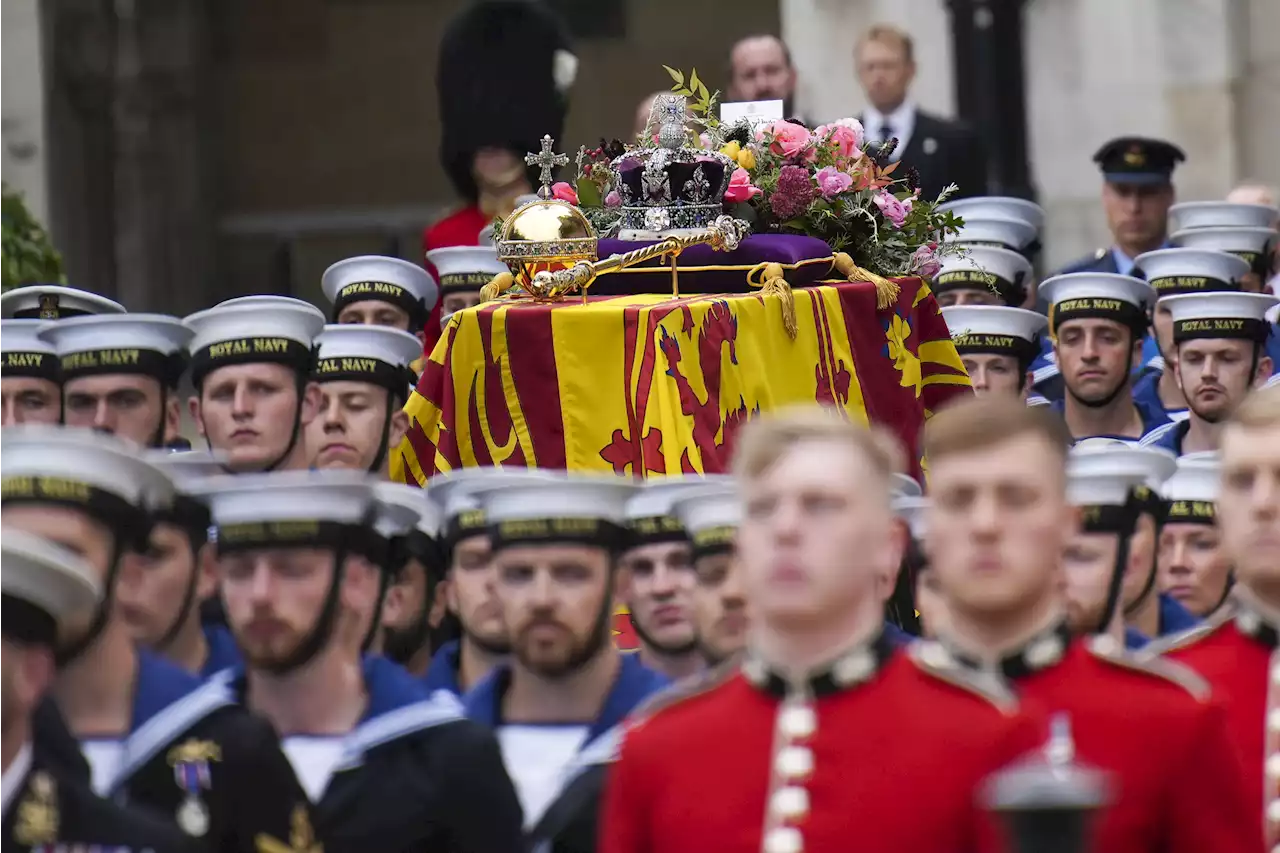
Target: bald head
{"x":1253,"y":194}
{"x":760,"y":70}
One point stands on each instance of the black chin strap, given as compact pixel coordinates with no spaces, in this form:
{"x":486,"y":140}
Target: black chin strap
{"x":68,"y":652}
{"x":1125,"y":532}
{"x":188,"y":598}
{"x":381,"y":455}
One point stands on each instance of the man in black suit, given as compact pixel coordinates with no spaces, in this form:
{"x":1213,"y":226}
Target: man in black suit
{"x":941,"y":151}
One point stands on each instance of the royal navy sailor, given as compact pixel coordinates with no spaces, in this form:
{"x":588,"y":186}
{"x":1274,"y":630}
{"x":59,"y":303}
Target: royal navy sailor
{"x":557,"y":705}
{"x":1220,"y":342}
{"x":463,"y":270}
{"x":152,"y":734}
{"x":1192,"y":565}
{"x":997,"y":346}
{"x":711,"y":515}
{"x":413,"y":610}
{"x":54,"y":302}
{"x":42,"y":586}
{"x":120,"y":374}
{"x":30,"y":375}
{"x":375,"y":290}
{"x":385,"y":766}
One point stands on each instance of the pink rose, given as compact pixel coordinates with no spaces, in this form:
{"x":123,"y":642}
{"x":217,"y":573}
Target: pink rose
{"x":845,"y":140}
{"x":564,"y":192}
{"x":832,"y":181}
{"x":785,"y":138}
{"x":894,"y":210}
{"x":924,"y":262}
{"x":740,"y":188}
{"x":613,"y":199}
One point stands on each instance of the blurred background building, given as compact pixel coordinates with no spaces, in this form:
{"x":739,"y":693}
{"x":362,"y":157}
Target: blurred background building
{"x":184,"y":151}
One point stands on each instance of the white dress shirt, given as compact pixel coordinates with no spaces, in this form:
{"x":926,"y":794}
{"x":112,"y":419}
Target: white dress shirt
{"x":902,"y":123}
{"x":14,"y":775}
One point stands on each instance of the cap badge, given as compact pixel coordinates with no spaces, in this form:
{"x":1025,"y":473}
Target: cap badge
{"x":49,"y":306}
{"x":37,"y":814}
{"x":1135,"y":156}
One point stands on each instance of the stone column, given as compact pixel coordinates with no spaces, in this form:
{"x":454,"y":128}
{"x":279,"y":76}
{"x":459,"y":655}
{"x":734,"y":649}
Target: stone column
{"x":22,"y":156}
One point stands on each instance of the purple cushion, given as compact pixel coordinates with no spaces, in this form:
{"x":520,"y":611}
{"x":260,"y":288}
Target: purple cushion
{"x":806,"y":261}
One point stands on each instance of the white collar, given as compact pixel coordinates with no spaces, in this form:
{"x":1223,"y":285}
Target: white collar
{"x":901,"y":119}
{"x":14,"y":775}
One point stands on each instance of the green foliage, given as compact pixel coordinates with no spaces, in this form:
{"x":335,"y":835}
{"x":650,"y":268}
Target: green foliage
{"x":26,"y":255}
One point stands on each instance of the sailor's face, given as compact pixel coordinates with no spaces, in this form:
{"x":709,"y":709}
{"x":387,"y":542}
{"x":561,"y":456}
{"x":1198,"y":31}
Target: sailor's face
{"x":461,"y":300}
{"x":75,"y":531}
{"x":473,"y":594}
{"x":996,"y":525}
{"x":1193,"y":568}
{"x":1138,"y":576}
{"x":1162,"y":325}
{"x":1095,"y":357}
{"x":128,"y":406}
{"x":1087,"y":565}
{"x":403,"y":611}
{"x":375,"y":312}
{"x":154,"y":586}
{"x":273,"y":598}
{"x":968,"y":296}
{"x":991,"y":373}
{"x":28,"y":400}
{"x":932,"y":606}
{"x":658,"y":580}
{"x":248,"y":412}
{"x":351,"y":427}
{"x":817,"y":537}
{"x":556,"y":600}
{"x":1215,"y":375}
{"x":1249,"y":505}
{"x":719,"y":607}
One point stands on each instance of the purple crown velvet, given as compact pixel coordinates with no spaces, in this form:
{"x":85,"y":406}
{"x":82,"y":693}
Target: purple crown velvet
{"x":663,"y":188}
{"x":805,"y":261}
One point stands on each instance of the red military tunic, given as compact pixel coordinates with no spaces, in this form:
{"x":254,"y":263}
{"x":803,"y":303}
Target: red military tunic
{"x":1235,"y":651}
{"x":1178,"y":785}
{"x":460,"y":228}
{"x":880,"y":752}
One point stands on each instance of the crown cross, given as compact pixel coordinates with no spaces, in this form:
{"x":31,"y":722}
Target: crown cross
{"x":546,"y":159}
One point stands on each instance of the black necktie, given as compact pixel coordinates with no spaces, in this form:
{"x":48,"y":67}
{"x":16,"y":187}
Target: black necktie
{"x":886,"y":132}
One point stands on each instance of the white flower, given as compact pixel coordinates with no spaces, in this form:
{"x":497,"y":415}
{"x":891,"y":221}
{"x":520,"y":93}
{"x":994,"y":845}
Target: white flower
{"x":564,"y":70}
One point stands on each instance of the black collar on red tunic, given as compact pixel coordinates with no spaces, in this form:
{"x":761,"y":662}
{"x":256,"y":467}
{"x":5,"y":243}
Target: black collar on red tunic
{"x":853,"y":667}
{"x":1040,"y":652}
{"x":1253,"y":622}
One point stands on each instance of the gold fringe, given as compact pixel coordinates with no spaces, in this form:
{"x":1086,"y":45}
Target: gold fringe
{"x":500,"y":284}
{"x":886,"y":290}
{"x":769,"y":278}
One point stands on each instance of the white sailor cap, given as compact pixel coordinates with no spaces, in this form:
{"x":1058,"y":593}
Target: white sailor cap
{"x":25,"y":353}
{"x":995,"y":329}
{"x":187,"y":467}
{"x":101,"y":474}
{"x":283,"y":509}
{"x":1182,"y":270}
{"x":402,"y":508}
{"x":996,"y":207}
{"x":650,"y":513}
{"x":279,"y":331}
{"x":54,"y":302}
{"x":912,"y":509}
{"x":999,"y":231}
{"x":457,"y":494}
{"x":378,"y":355}
{"x":384,"y":279}
{"x":711,"y":515}
{"x":487,"y":237}
{"x":145,"y":344}
{"x":465,"y":268}
{"x":1192,"y":491}
{"x":1241,"y":316}
{"x":978,"y":267}
{"x":586,"y":508}
{"x":1108,"y":296}
{"x":1250,"y":244}
{"x":52,"y":583}
{"x":904,"y":486}
{"x":1221,"y":214}
{"x":1151,"y":466}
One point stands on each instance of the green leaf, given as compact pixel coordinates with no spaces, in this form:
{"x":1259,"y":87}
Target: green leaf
{"x":682,"y":91}
{"x":677,"y":76}
{"x":702,"y":89}
{"x":694,"y":82}
{"x":588,"y":193}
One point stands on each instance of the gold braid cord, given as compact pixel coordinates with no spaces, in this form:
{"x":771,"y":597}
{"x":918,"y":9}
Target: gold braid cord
{"x":886,"y":290}
{"x":768,"y":277}
{"x":500,"y":284}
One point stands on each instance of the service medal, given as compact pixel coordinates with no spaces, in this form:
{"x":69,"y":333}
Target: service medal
{"x":193,"y":817}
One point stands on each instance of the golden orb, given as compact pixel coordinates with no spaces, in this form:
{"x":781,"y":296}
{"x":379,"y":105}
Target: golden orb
{"x":547,"y":234}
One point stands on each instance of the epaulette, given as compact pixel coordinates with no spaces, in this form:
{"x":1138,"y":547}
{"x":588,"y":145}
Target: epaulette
{"x":683,"y":690}
{"x":1107,"y":649}
{"x":933,"y":658}
{"x":1190,"y":636}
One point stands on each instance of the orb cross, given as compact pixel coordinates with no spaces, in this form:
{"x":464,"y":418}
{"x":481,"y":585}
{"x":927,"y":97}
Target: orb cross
{"x":547,"y":159}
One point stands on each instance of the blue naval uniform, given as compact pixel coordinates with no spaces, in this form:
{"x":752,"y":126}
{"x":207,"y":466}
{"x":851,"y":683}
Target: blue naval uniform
{"x":1174,"y":619}
{"x":1146,"y":388}
{"x":442,"y":673}
{"x":897,"y":637}
{"x":1152,"y":420}
{"x":570,"y":821}
{"x":223,"y":651}
{"x":1168,"y":437}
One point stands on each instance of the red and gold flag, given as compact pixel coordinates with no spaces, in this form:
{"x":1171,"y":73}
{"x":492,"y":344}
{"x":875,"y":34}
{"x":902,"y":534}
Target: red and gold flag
{"x":654,"y":385}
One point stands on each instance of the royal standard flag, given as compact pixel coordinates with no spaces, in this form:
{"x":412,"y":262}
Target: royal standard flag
{"x":652,"y":384}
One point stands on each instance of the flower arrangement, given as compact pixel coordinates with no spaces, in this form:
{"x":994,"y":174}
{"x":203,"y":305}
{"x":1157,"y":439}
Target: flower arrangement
{"x":828,"y":182}
{"x":28,"y":255}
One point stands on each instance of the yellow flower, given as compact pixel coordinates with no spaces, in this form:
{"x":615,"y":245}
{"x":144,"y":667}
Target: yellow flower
{"x":730,"y":150}
{"x":746,"y":159}
{"x":904,"y":360}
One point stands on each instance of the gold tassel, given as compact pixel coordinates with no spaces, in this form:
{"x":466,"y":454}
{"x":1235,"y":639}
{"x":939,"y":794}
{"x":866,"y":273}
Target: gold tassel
{"x":500,"y":284}
{"x":886,"y":290}
{"x":769,"y":278}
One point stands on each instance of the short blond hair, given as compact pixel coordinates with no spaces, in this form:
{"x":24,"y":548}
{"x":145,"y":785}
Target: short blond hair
{"x":766,"y":439}
{"x":889,"y":35}
{"x":1259,"y":410}
{"x":980,"y":423}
